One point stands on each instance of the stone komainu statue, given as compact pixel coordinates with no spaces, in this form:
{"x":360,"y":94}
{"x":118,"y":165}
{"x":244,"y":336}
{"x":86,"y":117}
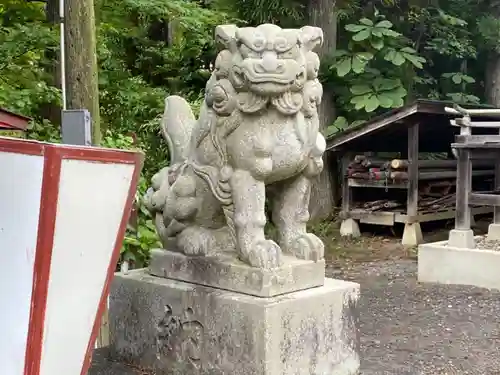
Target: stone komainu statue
{"x":257,"y":134}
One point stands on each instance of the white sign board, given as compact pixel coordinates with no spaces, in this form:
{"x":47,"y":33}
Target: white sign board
{"x":63,"y":215}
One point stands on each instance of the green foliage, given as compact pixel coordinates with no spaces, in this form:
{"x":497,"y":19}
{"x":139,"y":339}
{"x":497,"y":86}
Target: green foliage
{"x":372,"y":64}
{"x":388,"y":53}
{"x":393,"y":54}
{"x":44,"y":130}
{"x":366,"y":29}
{"x":459,"y":81}
{"x":489,"y":30}
{"x":142,"y":237}
{"x":140,"y":63}
{"x":459,"y":78}
{"x":286,"y":13}
{"x":381,"y":92}
{"x":349,"y":61}
{"x":341,"y":124}
{"x":24,"y":39}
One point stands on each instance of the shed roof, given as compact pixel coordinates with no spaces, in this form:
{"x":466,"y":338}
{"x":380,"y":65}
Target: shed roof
{"x":388,"y":131}
{"x":13,"y":121}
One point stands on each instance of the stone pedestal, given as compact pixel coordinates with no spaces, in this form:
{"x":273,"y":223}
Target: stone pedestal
{"x":494,"y":232}
{"x":350,"y":228}
{"x":225,"y":271}
{"x":174,"y":327}
{"x":443,"y":263}
{"x":461,"y":238}
{"x":412,"y":235}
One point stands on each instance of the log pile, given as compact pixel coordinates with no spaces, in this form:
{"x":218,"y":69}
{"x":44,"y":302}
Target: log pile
{"x":437,"y":179}
{"x":365,"y":168}
{"x":424,"y":204}
{"x":396,"y":170}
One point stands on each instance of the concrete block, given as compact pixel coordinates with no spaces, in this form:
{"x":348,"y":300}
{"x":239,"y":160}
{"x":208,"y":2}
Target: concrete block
{"x":461,"y":238}
{"x":494,"y":232}
{"x":350,"y":228}
{"x":226,"y":272}
{"x":173,"y":327}
{"x":412,"y":235}
{"x":443,"y":264}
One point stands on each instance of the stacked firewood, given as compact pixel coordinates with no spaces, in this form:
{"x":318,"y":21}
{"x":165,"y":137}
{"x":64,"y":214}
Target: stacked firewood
{"x":437,"y":179}
{"x":396,"y":170}
{"x":425,"y":203}
{"x":438,"y":169}
{"x":366,"y":168}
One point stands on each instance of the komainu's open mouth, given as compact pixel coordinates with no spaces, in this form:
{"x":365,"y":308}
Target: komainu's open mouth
{"x":254,"y":78}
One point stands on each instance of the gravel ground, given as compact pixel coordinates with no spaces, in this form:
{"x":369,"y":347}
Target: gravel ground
{"x":485,"y":244}
{"x":411,"y":329}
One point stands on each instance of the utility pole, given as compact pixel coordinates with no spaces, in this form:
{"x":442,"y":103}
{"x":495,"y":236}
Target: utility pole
{"x":80,"y":61}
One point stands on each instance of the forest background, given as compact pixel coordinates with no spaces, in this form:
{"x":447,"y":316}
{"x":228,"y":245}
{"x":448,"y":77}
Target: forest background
{"x":377,"y":55}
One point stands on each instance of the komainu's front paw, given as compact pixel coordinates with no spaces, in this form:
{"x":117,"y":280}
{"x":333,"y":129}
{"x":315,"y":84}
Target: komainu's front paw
{"x":308,"y":247}
{"x":195,"y":241}
{"x":264,"y":254}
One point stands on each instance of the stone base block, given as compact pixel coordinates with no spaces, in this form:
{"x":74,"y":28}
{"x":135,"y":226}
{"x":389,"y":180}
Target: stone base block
{"x":227,"y":272}
{"x":412,"y":235}
{"x":177,"y":328}
{"x":350,"y":228}
{"x":494,"y":232}
{"x":443,"y":264}
{"x":462,"y":238}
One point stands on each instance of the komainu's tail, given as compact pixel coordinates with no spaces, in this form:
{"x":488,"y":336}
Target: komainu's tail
{"x":177,"y":125}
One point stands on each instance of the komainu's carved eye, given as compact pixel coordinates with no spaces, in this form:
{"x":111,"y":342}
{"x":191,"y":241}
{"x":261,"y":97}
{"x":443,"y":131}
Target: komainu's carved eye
{"x":292,"y":53}
{"x":248,"y":52}
{"x":281,"y":45}
{"x":259,"y":44}
{"x":286,"y":55}
{"x":244,"y":50}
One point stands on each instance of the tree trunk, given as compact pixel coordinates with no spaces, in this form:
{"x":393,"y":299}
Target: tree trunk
{"x":325,"y":189}
{"x":492,"y":79}
{"x":81,"y":61}
{"x":492,"y":73}
{"x":52,"y":112}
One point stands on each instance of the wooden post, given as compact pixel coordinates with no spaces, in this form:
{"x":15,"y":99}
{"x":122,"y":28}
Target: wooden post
{"x":496,"y":209}
{"x":412,"y":194}
{"x":346,"y":190}
{"x":81,"y":61}
{"x":464,"y":182}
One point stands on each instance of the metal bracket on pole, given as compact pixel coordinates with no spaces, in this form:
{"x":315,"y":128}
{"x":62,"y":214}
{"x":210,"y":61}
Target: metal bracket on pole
{"x":76,"y":126}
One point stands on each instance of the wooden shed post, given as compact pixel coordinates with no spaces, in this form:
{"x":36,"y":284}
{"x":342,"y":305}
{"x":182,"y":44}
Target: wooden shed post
{"x":463,"y":236}
{"x":464,"y":182}
{"x":412,"y":234}
{"x":494,"y":227}
{"x":412,"y":200}
{"x":346,"y":190}
{"x":349,"y":226}
{"x":496,"y":209}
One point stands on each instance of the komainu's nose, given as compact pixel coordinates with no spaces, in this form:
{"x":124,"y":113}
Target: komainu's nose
{"x":269,"y":64}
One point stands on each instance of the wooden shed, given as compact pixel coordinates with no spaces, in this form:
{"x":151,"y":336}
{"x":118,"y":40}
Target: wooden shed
{"x":411,"y":133}
{"x":13,"y":121}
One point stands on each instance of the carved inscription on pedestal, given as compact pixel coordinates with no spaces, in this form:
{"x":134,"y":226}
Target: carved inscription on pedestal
{"x":180,"y":337}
